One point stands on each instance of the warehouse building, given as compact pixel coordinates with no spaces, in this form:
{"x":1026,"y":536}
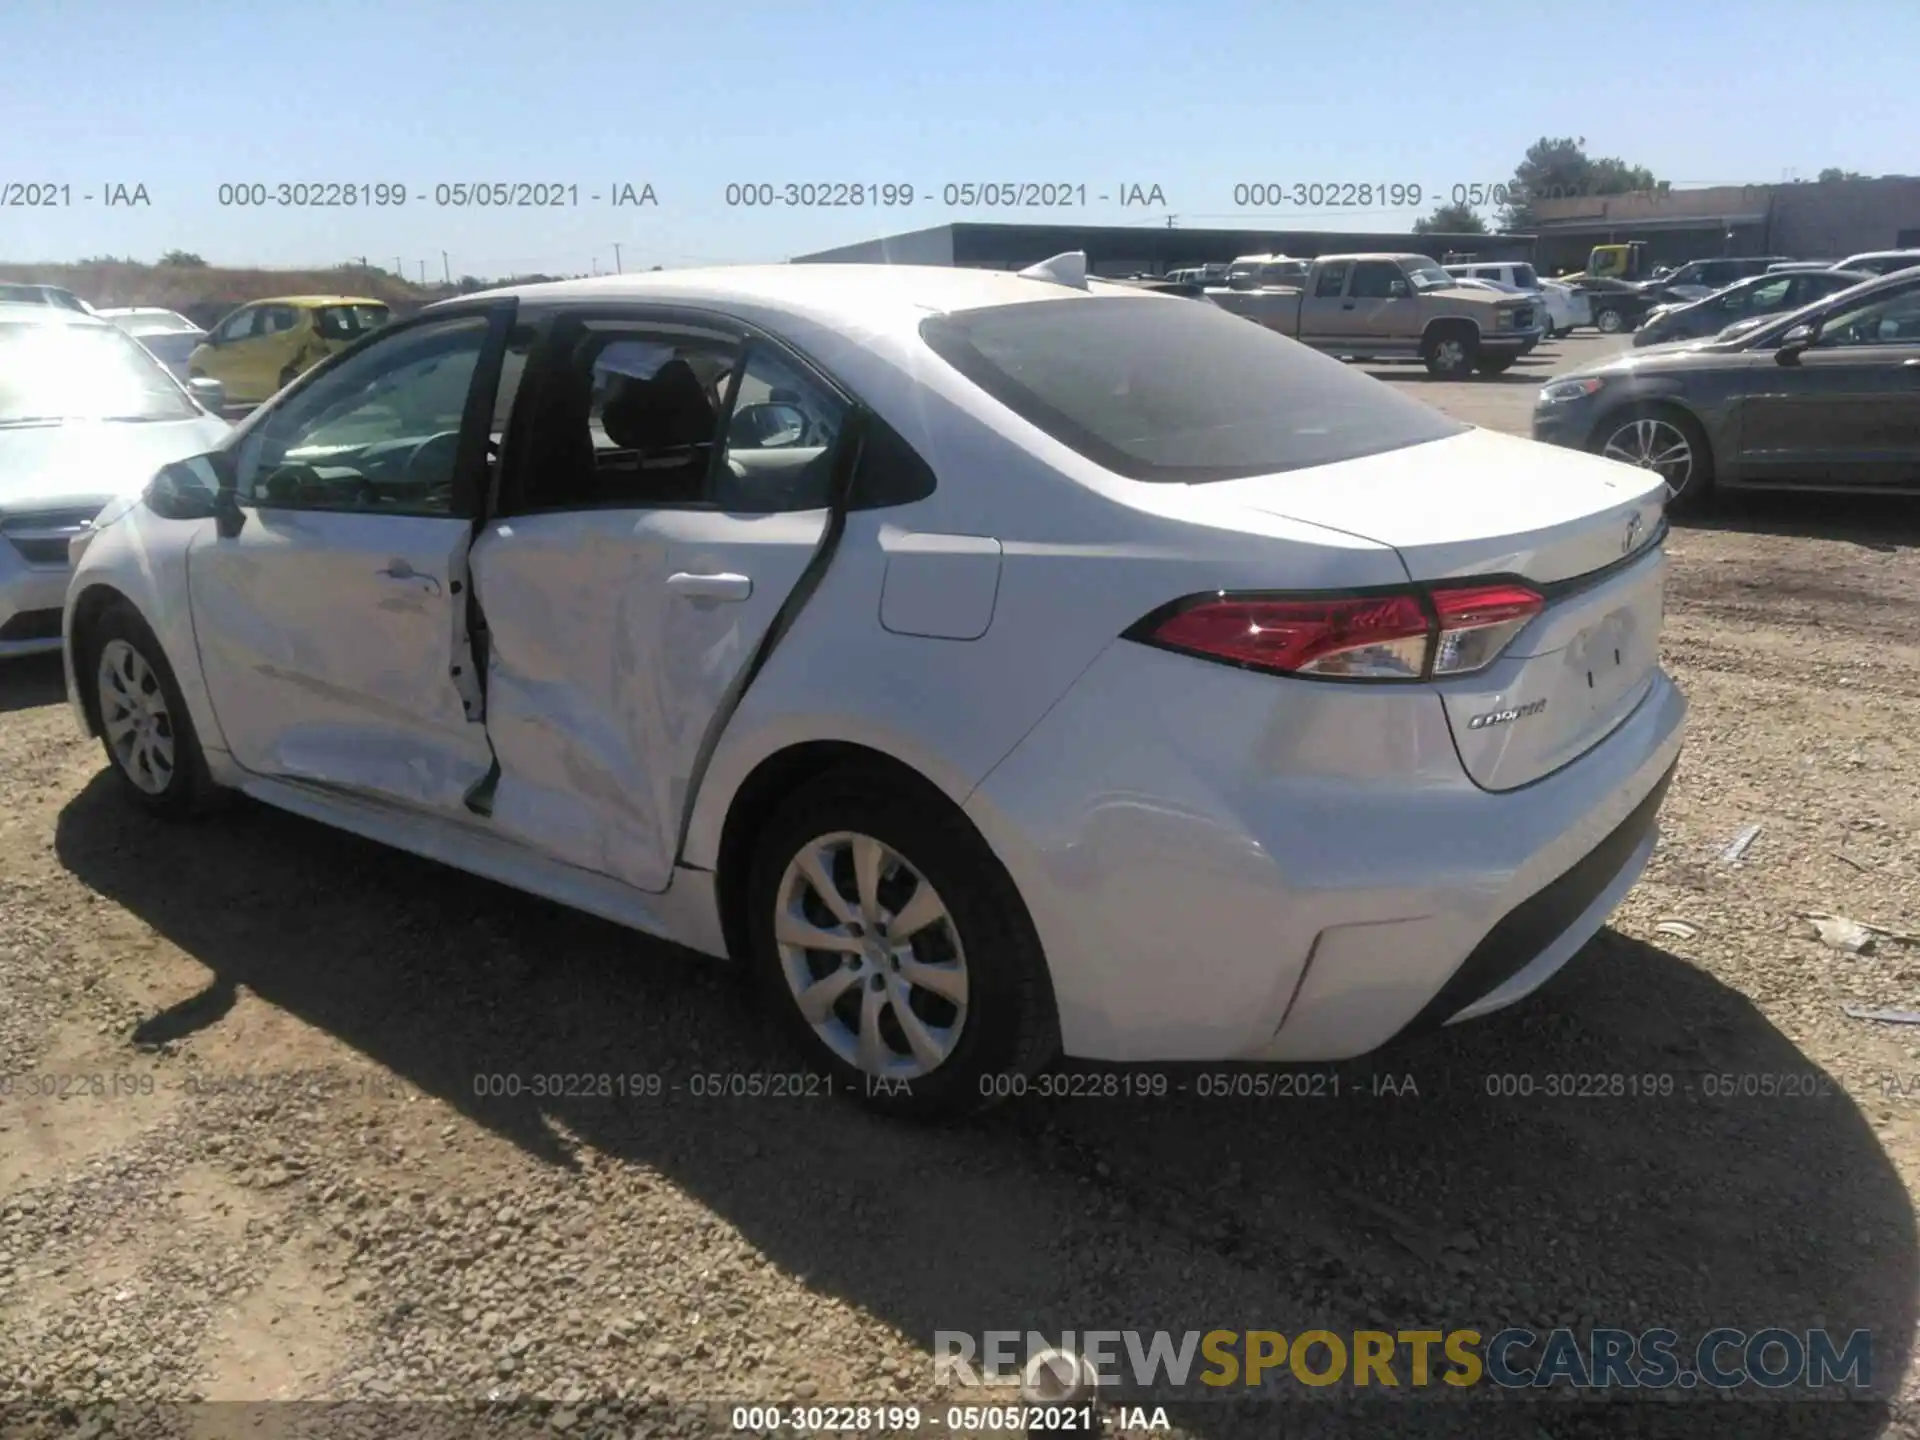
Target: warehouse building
{"x":1133,"y":249}
{"x":1810,"y":221}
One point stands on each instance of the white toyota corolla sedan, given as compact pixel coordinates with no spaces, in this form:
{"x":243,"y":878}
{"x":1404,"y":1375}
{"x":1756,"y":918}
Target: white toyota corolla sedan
{"x":998,"y":665}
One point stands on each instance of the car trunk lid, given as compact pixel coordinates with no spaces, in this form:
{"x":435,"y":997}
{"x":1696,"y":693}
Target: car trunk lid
{"x":1580,"y":530}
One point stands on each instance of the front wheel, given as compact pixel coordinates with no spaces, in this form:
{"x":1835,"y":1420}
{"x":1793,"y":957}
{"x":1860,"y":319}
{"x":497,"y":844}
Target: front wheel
{"x":1669,"y":442}
{"x":1449,"y":354}
{"x":144,"y":724}
{"x":1610,"y":322}
{"x":894,"y":950}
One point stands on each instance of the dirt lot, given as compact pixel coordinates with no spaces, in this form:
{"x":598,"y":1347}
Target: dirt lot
{"x":272,"y":1177}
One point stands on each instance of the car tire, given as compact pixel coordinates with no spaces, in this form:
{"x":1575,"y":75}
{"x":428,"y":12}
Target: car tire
{"x":1610,"y":321}
{"x":979,"y":1001}
{"x":1494,"y":364}
{"x":145,"y":727}
{"x":1449,"y":352}
{"x":1650,"y":430}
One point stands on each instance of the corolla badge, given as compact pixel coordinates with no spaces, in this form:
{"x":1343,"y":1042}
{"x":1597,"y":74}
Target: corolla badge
{"x":1506,"y":717}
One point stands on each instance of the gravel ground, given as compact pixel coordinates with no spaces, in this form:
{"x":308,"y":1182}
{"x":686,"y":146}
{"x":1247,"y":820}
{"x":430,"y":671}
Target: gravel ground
{"x":272,"y":1178}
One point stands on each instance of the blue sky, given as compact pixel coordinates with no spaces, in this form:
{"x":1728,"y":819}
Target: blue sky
{"x":182,"y":96}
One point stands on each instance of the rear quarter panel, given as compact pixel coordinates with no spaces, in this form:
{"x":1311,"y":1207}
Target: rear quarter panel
{"x":1083,"y":556}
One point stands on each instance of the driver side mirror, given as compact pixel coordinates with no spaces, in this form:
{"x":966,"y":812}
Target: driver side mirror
{"x":774,"y":426}
{"x":185,"y":490}
{"x":1793,"y":342}
{"x":1398,"y":290}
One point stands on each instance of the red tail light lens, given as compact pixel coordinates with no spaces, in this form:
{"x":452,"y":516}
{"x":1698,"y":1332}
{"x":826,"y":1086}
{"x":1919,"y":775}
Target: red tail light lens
{"x":1478,"y":622}
{"x":1407,"y":635}
{"x":1378,"y":637}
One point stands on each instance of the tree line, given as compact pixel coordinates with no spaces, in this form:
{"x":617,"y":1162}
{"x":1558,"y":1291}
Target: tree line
{"x":1561,"y":166}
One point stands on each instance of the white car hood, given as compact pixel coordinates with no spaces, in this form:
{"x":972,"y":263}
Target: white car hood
{"x":86,"y":460}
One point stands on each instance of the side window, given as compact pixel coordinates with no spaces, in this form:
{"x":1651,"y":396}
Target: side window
{"x":1888,"y":320}
{"x":276,"y":318}
{"x":626,"y":417}
{"x":1333,"y":279}
{"x":1373,"y":280}
{"x":1770,"y":296}
{"x":239,"y":325}
{"x":379,"y":433}
{"x":782,"y":439}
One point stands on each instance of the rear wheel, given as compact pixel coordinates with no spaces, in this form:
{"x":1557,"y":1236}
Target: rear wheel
{"x":144,"y":724}
{"x":894,"y":950}
{"x":1609,"y":321}
{"x":1450,"y":352}
{"x":1668,"y":441}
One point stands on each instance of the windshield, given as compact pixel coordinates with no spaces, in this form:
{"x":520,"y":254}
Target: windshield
{"x":1429,"y":277}
{"x":1169,"y":391}
{"x":350,"y":322}
{"x":83,"y":372}
{"x":41,"y":295}
{"x":171,"y":347}
{"x":154,"y":322}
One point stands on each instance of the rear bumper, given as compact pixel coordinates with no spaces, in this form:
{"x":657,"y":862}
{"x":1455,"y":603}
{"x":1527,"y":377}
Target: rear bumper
{"x":1226,"y":866}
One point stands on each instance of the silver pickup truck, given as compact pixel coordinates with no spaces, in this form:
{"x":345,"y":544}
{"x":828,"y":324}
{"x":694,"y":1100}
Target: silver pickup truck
{"x":1394,"y":307}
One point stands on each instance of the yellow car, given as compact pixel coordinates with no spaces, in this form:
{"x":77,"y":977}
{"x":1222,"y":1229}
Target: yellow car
{"x":257,"y":350}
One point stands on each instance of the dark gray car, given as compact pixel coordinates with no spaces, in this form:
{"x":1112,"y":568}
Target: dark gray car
{"x":1827,"y":397}
{"x":1758,"y":295}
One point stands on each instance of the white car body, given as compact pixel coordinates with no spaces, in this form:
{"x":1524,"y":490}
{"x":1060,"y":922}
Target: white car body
{"x":1217,"y":862}
{"x":1566,"y":307}
{"x":57,"y":472}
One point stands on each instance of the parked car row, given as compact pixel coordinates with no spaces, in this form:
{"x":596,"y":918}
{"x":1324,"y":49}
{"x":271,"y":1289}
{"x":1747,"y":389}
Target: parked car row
{"x":1825,"y":396}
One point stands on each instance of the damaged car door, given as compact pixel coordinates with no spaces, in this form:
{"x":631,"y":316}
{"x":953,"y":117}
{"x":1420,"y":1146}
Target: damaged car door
{"x":330,"y":598}
{"x":662,"y":508}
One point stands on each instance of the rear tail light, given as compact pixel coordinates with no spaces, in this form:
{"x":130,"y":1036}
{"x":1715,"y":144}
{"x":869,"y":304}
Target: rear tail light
{"x":1402,"y":635}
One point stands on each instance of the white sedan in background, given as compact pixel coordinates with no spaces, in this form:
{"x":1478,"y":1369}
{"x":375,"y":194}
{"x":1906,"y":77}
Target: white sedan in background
{"x":86,"y":416}
{"x":994,"y":664}
{"x":169,"y":335}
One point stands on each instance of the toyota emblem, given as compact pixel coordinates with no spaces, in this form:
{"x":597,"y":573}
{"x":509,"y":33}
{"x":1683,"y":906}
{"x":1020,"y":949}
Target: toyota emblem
{"x":1633,"y":533}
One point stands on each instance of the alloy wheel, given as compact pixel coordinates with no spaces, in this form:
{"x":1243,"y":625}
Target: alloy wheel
{"x":871,"y":955}
{"x":134,"y":714}
{"x":1657,"y":445}
{"x":1609,"y":322}
{"x":1450,"y":354}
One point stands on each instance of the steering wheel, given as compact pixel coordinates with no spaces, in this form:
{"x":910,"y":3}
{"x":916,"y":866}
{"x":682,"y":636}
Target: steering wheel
{"x":442,"y":448}
{"x":293,"y":480}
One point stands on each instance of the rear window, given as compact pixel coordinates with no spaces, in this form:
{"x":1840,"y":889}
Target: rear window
{"x":349,"y":322}
{"x":1176,"y":392}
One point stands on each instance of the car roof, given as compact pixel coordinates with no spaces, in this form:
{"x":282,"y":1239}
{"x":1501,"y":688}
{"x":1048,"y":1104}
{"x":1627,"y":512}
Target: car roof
{"x":313,"y":300}
{"x":136,"y":310}
{"x":1875,"y":255}
{"x":889,"y":296}
{"x":16,"y":313}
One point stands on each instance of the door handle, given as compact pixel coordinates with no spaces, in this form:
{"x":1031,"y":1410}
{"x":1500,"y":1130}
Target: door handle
{"x":1348,"y":305}
{"x":723,"y":586}
{"x":400,"y":570}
